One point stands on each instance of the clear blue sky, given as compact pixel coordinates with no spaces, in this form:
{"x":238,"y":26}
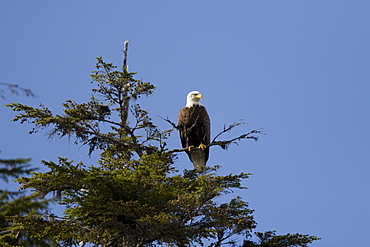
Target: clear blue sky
{"x":298,"y":69}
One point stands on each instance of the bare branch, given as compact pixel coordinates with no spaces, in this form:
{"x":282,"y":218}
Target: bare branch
{"x":222,"y":144}
{"x":176,"y":126}
{"x":170,"y":122}
{"x":15,"y":88}
{"x":231,"y":126}
{"x":225,"y":144}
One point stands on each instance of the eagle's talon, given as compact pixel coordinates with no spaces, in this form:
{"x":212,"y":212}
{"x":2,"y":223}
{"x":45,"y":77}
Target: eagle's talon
{"x":190,"y":148}
{"x":202,"y":146}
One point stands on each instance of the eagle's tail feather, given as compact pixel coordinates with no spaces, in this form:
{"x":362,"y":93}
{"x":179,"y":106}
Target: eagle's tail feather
{"x":198,"y":158}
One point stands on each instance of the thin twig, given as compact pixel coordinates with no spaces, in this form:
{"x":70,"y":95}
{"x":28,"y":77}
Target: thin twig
{"x":231,"y":126}
{"x":178,"y":127}
{"x":15,"y":88}
{"x":170,"y":122}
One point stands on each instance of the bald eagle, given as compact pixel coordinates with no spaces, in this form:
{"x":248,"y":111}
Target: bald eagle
{"x":194,"y":128}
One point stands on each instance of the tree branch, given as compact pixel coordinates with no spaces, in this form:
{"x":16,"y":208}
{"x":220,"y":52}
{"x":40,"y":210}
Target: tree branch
{"x":224,"y":144}
{"x":231,"y":126}
{"x":15,"y":88}
{"x":170,"y":122}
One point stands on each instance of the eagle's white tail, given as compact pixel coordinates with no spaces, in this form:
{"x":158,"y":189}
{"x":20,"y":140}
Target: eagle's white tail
{"x":198,"y":158}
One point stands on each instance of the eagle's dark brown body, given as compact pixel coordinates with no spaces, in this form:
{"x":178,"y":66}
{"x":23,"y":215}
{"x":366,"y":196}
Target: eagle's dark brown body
{"x":194,"y":128}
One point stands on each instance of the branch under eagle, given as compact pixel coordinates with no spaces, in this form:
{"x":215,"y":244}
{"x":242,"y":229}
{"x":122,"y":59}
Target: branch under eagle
{"x":223,"y":144}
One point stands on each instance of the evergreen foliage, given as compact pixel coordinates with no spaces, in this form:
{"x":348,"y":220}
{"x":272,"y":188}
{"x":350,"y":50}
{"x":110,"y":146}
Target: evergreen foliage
{"x":270,"y":239}
{"x":134,"y":196}
{"x":17,"y":203}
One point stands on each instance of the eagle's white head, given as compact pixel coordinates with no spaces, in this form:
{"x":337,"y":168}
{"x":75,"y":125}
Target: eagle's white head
{"x":193,"y":99}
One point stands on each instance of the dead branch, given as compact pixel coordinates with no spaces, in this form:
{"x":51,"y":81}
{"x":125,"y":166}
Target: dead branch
{"x":170,"y":122}
{"x":223,"y":144}
{"x":231,"y":126}
{"x":177,"y":127}
{"x":226,"y":143}
{"x":15,"y":89}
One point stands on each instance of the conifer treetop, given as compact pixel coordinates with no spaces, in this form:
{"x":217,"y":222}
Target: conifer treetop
{"x":134,"y":195}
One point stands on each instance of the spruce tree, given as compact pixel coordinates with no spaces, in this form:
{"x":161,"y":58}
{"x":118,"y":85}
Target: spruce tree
{"x":18,"y":202}
{"x":134,"y":195}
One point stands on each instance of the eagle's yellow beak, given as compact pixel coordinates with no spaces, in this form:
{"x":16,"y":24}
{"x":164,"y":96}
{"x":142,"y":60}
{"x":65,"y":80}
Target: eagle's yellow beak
{"x":199,"y":96}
